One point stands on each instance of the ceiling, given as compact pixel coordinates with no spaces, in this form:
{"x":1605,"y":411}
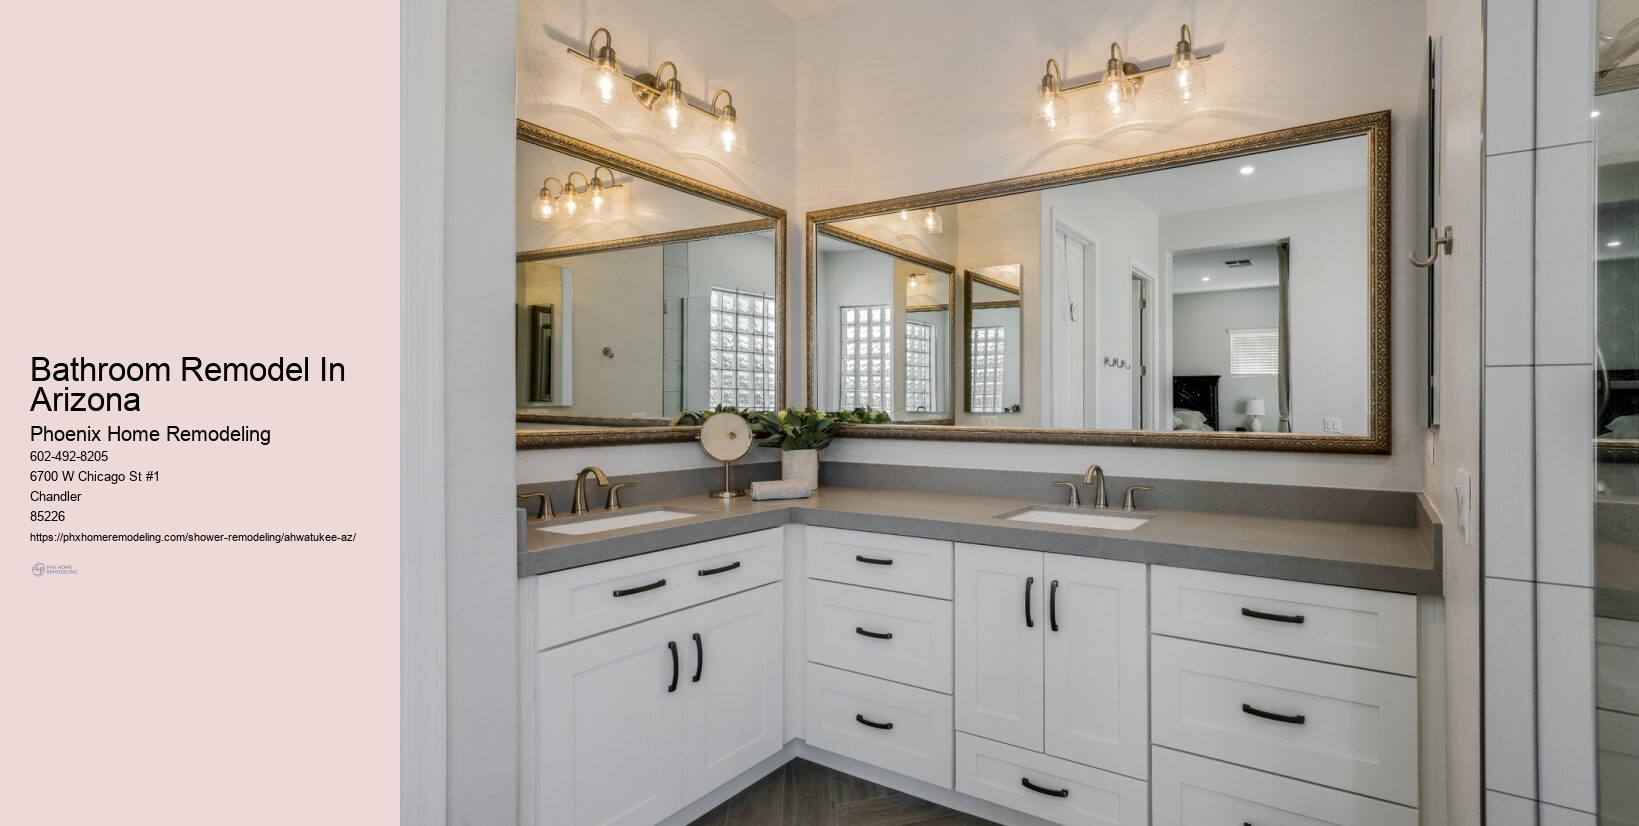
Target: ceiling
{"x":798,"y":9}
{"x":1294,"y":172}
{"x":1189,"y":268}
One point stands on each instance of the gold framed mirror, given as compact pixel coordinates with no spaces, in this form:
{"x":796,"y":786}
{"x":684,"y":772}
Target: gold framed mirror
{"x":669,"y":300}
{"x":904,"y":368}
{"x":1230,"y":296}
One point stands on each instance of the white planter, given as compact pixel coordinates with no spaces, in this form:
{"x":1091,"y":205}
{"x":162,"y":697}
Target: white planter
{"x":800,"y":464}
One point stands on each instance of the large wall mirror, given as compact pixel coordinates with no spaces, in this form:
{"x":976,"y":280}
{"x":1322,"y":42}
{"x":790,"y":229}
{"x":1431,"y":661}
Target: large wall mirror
{"x":1233,"y":295}
{"x":643,"y":295}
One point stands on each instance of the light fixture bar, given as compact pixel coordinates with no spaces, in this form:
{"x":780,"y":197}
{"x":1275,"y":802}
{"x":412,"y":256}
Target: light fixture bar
{"x":1131,"y":69}
{"x":646,"y":90}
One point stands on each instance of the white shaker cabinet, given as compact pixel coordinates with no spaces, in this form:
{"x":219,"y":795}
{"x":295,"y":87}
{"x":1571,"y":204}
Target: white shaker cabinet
{"x":1051,"y":655}
{"x":634,"y":724}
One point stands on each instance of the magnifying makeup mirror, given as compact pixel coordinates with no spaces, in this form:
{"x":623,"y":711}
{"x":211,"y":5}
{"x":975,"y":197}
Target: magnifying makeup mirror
{"x":726,"y":437}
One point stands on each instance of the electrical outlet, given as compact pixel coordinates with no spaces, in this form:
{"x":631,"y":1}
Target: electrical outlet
{"x":989,"y":421}
{"x":1334,"y":425}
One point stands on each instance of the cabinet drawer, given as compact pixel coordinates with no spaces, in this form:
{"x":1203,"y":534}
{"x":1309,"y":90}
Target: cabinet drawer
{"x":1348,"y":626}
{"x":1195,"y":791}
{"x":582,"y":601}
{"x":894,"y":563}
{"x":1344,"y":727}
{"x":897,"y":637}
{"x":1057,"y":790}
{"x":899,"y":728}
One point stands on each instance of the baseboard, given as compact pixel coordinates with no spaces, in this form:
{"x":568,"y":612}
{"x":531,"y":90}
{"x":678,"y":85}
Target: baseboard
{"x":688,"y":814}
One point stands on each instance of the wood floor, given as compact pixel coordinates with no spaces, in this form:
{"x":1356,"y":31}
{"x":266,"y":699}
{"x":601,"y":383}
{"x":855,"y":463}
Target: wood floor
{"x":801,"y":793}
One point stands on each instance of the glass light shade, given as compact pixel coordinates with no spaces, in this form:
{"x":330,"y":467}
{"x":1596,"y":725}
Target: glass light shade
{"x":602,"y":82}
{"x":1117,"y":95}
{"x":729,"y":137}
{"x":1186,"y":81}
{"x":904,"y":216}
{"x":570,"y":202}
{"x":598,"y":202}
{"x":932,"y":222}
{"x":544,"y":208}
{"x":671,"y":111}
{"x":1052,"y":110}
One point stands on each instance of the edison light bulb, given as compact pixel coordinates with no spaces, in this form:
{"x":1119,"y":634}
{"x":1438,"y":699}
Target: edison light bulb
{"x":602,"y":81}
{"x":1186,"y":82}
{"x":730,"y":138}
{"x":571,"y":201}
{"x":671,"y":110}
{"x":932,"y":223}
{"x":543,"y":209}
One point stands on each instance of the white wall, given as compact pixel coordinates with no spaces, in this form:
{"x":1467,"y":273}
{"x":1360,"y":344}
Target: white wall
{"x":614,"y":306}
{"x":877,"y":125}
{"x":846,"y":279}
{"x":1200,"y":347}
{"x":998,"y":232}
{"x":1123,"y":231}
{"x":1327,"y":315}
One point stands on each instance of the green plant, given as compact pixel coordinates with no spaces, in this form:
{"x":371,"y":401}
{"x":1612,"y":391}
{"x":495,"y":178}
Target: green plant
{"x":862,"y":415}
{"x":796,"y":428}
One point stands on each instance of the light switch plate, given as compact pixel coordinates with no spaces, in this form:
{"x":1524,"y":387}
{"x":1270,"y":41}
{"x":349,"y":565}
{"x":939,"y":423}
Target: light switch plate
{"x":1334,"y":425}
{"x":1465,"y":504}
{"x":989,"y":421}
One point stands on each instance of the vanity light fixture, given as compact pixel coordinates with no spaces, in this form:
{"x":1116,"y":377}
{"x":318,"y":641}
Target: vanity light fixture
{"x":604,"y":82}
{"x":1184,"y":80}
{"x":597,"y":198}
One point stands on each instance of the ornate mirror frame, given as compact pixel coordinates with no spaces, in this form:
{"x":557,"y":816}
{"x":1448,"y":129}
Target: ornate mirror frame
{"x":934,"y":264}
{"x":618,"y":430}
{"x":1375,"y":127}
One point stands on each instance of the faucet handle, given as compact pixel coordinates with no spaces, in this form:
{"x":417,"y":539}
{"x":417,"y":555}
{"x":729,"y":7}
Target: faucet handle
{"x":1128,"y":504}
{"x":546,"y":503}
{"x":614,"y":495}
{"x":1075,"y":494}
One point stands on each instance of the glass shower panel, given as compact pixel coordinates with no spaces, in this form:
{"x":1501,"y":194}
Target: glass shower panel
{"x":1617,"y":448}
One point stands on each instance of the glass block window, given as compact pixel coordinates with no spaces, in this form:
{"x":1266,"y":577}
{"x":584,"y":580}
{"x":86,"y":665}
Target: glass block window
{"x":743,"y":356}
{"x":918,"y":366}
{"x":986,"y":347}
{"x":1254,"y":352}
{"x":867,"y":357}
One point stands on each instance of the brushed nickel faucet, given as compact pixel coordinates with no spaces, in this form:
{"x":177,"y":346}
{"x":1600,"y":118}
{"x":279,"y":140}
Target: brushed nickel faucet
{"x":1095,"y":477}
{"x":614,"y":495}
{"x":1129,"y":505}
{"x":579,"y":505}
{"x":1075,"y":495}
{"x":546,"y":503}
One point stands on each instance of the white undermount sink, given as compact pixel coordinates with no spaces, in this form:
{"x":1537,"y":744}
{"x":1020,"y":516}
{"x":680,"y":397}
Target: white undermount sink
{"x":615,"y":521}
{"x":1078,"y":518}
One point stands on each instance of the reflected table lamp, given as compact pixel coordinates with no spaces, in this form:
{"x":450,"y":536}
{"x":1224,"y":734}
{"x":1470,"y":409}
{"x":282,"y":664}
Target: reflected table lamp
{"x":1254,"y":411}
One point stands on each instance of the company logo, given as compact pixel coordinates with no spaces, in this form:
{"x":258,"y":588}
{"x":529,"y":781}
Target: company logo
{"x":39,"y":569}
{"x":43,"y":569}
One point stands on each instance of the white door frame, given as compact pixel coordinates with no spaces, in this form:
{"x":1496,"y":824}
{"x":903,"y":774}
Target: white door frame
{"x":1149,"y":385}
{"x":1087,"y":311}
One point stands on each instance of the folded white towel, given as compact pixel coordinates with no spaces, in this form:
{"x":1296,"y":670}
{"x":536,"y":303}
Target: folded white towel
{"x":780,"y":489}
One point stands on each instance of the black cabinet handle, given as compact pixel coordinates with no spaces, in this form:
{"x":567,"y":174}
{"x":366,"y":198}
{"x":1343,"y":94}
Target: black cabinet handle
{"x":1053,"y":605}
{"x":1296,"y":619}
{"x":726,"y":568}
{"x":883,"y":726}
{"x":872,"y":561}
{"x":875,"y":635}
{"x":626,"y":592}
{"x":1294,"y":719}
{"x":1039,"y":790}
{"x":1029,"y":622}
{"x":699,"y":659}
{"x":673,"y":686}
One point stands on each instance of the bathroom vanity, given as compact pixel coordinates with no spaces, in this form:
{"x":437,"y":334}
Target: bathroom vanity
{"x":1264,"y":669}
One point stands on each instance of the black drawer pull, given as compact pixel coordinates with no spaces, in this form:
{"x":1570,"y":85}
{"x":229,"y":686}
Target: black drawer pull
{"x":883,"y":726}
{"x":1295,"y":619}
{"x":673,"y":686}
{"x":726,"y":568}
{"x":873,"y":561}
{"x":1029,"y":622}
{"x":626,"y":592}
{"x":699,"y":659}
{"x":1294,"y":719}
{"x":1039,"y":790}
{"x":1053,"y":605}
{"x":875,"y":635}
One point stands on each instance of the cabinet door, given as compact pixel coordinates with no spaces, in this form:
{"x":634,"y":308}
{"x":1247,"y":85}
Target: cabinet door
{"x":732,"y":687}
{"x":1096,"y":667}
{"x":609,"y":732}
{"x":999,"y":625}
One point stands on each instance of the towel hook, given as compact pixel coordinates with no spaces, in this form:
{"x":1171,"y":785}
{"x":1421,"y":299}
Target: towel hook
{"x":1437,"y":242}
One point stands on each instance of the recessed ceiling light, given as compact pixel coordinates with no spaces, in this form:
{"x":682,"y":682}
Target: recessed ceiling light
{"x":1613,"y":243}
{"x":1246,"y":170}
{"x":1206,"y":278}
{"x":1594,"y":114}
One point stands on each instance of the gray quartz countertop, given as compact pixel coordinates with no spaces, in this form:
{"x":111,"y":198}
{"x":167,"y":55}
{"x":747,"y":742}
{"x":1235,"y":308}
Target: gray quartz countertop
{"x":1382,"y":557}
